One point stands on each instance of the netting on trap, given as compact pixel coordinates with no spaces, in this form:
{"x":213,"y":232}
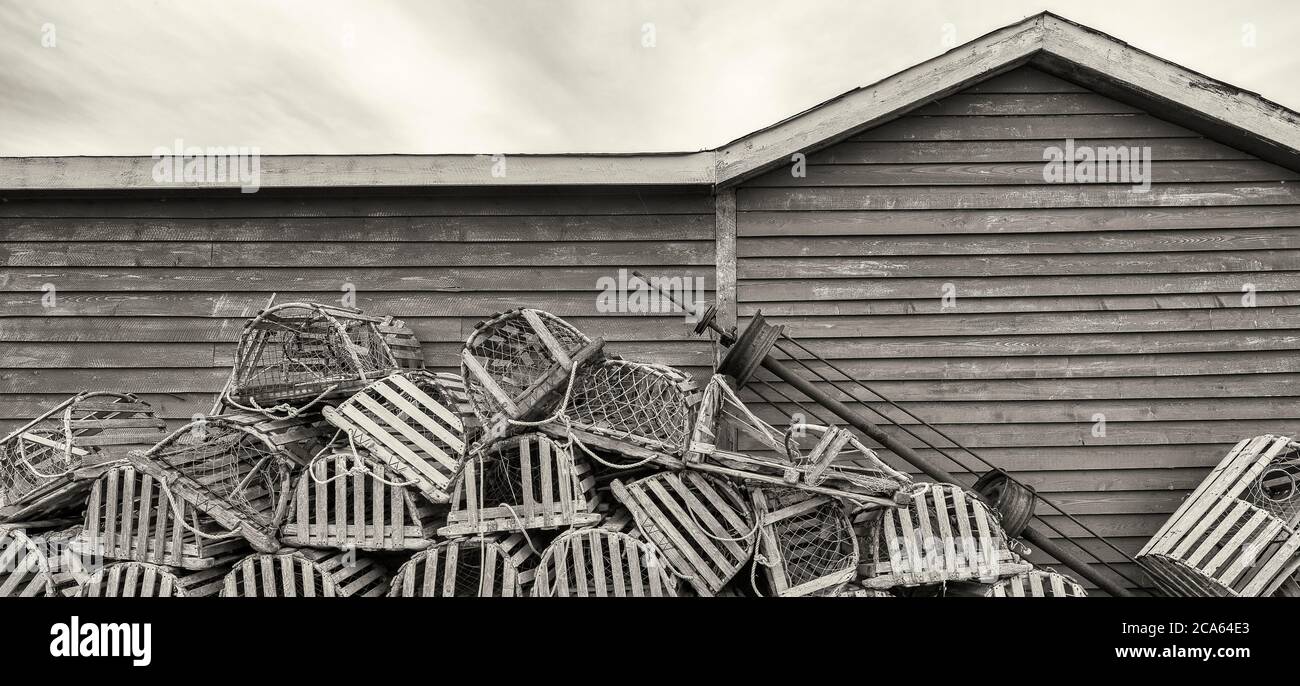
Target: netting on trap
{"x":822,"y":459}
{"x":352,"y":500}
{"x":230,"y":472}
{"x":704,"y":527}
{"x":601,"y":563}
{"x":643,"y":404}
{"x":512,"y":353}
{"x":130,"y":516}
{"x":1235,"y":534}
{"x":145,"y":580}
{"x":528,"y":481}
{"x":494,"y":566}
{"x":292,"y":355}
{"x":24,"y":566}
{"x":305,"y":573}
{"x":807,"y":543}
{"x":943,"y":534}
{"x":412,"y":422}
{"x":39,"y":461}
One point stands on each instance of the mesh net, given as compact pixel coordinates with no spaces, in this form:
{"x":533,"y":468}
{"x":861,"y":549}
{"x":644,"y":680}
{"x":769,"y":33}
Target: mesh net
{"x":31,"y":459}
{"x":647,"y":404}
{"x":297,"y":351}
{"x":601,"y":563}
{"x":419,"y":578}
{"x":1277,"y":489}
{"x":229,"y":465}
{"x":513,"y":355}
{"x":814,"y":543}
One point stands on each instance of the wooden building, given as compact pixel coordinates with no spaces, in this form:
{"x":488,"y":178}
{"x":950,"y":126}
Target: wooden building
{"x":1171,"y":314}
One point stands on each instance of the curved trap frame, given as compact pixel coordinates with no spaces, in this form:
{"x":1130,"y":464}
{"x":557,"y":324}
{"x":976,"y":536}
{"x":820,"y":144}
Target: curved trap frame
{"x":807,"y":543}
{"x":943,"y":534}
{"x":305,"y":573}
{"x":24,"y":566}
{"x":601,"y":563}
{"x":39,"y":461}
{"x":129,"y":516}
{"x":145,"y":580}
{"x":351,"y":500}
{"x":523,"y":482}
{"x":1037,"y":583}
{"x":646,"y":405}
{"x":1233,"y":536}
{"x":412,"y":422}
{"x":702,"y":525}
{"x":228,"y":471}
{"x":496,"y":566}
{"x":292,"y":355}
{"x":519,"y":363}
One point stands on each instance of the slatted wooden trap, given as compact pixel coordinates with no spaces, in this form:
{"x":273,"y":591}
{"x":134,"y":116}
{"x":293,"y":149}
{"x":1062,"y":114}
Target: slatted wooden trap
{"x":943,"y":534}
{"x":1234,"y":535}
{"x":411,"y":421}
{"x":227,"y":471}
{"x":24,"y":566}
{"x":305,"y":573}
{"x":806,"y":542}
{"x":601,"y":563}
{"x":493,"y":566}
{"x":338,"y":505}
{"x":1037,"y":583}
{"x":518,"y":365}
{"x":129,"y":516}
{"x":703,"y":525}
{"x":402,"y":343}
{"x":40,"y":461}
{"x":295,"y":354}
{"x":145,"y":580}
{"x":526,"y":481}
{"x":646,"y":405}
{"x":299,"y":437}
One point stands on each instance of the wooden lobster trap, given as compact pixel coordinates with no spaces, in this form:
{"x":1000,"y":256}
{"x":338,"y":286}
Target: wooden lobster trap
{"x":806,"y":542}
{"x":300,"y":437}
{"x":39,"y":461}
{"x":702,"y":524}
{"x":1234,"y":535}
{"x":352,"y":500}
{"x":527,"y":481}
{"x":943,"y":534}
{"x":146,"y":580}
{"x":407,"y":351}
{"x":1037,"y":583}
{"x":493,"y":566}
{"x":645,"y":405}
{"x":131,"y":516}
{"x":293,"y":355}
{"x":24,"y":566}
{"x":601,"y":563}
{"x":519,"y":364}
{"x":229,"y":472}
{"x":305,"y":573}
{"x":832,"y":462}
{"x":412,"y":422}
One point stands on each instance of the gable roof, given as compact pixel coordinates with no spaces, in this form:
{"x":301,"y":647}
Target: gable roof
{"x":1046,"y":41}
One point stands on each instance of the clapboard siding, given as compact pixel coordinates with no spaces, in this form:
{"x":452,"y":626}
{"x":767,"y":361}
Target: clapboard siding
{"x":1072,"y":300}
{"x":153,"y":289}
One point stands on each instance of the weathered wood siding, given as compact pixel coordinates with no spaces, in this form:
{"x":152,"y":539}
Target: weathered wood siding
{"x":151,"y":293}
{"x":1071,"y":300}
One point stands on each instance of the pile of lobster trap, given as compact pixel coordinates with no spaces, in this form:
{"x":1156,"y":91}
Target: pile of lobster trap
{"x":334,"y":464}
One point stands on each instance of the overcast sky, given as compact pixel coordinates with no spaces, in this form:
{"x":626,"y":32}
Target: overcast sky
{"x":512,"y":76}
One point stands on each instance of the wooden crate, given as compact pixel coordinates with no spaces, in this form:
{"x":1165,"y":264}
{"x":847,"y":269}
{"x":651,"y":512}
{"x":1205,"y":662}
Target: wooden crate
{"x":494,"y":566}
{"x":601,"y":563}
{"x":411,"y":421}
{"x":130,"y":517}
{"x":24,"y":566}
{"x":306,"y":573}
{"x":703,"y":525}
{"x":526,"y":481}
{"x":638,"y":405}
{"x":1233,"y":536}
{"x":807,"y":543}
{"x":944,"y":534}
{"x":293,"y":355}
{"x":229,"y":472}
{"x":46,"y":463}
{"x":337,"y":506}
{"x":145,"y":580}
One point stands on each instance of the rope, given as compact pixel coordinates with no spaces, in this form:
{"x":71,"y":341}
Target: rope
{"x":179,"y":515}
{"x":289,"y":411}
{"x":359,"y":465}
